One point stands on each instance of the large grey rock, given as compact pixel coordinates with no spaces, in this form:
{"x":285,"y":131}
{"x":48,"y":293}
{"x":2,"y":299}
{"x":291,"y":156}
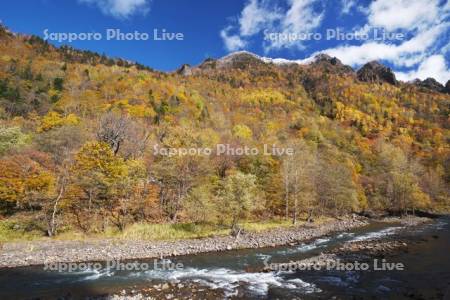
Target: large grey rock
{"x":431,"y":84}
{"x":376,"y":73}
{"x":331,"y":64}
{"x":185,"y":70}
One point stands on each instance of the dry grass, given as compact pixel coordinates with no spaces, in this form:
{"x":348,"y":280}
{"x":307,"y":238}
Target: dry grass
{"x":147,"y":231}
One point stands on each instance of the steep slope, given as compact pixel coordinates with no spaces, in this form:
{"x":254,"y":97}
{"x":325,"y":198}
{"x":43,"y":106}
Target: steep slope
{"x":376,"y":73}
{"x":375,"y":143}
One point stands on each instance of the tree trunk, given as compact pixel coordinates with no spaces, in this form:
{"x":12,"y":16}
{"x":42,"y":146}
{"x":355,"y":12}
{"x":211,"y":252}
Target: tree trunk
{"x":310,"y":213}
{"x":52,"y":227}
{"x":287,"y":201}
{"x":294,"y":218}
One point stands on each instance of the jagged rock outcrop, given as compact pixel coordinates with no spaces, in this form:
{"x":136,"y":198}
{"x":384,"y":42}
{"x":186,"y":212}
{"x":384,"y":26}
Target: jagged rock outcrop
{"x":240,"y":60}
{"x":331,"y":64}
{"x":431,"y":84}
{"x":447,"y":87}
{"x":250,"y":61}
{"x":185,"y":70}
{"x":376,"y":73}
{"x":209,"y":63}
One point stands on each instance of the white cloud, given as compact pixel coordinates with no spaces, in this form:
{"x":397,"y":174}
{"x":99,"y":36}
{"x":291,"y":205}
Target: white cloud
{"x":300,"y":18}
{"x":260,"y":15}
{"x":425,"y":49}
{"x":255,"y":15}
{"x":121,"y":9}
{"x":347,"y":6}
{"x":425,"y":25}
{"x":232,"y":42}
{"x":408,"y":53}
{"x":403,"y":14}
{"x":434,"y":66}
{"x":445,"y":49}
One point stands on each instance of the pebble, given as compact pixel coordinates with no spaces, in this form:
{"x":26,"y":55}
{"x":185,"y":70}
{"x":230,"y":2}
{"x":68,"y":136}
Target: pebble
{"x":53,"y":251}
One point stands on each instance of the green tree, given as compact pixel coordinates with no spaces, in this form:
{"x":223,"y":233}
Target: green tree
{"x":238,"y":197}
{"x":12,"y":138}
{"x":242,"y":131}
{"x":201,"y":205}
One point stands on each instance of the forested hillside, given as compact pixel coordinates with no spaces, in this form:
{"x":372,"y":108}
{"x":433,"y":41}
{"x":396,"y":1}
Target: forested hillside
{"x":78,"y":133}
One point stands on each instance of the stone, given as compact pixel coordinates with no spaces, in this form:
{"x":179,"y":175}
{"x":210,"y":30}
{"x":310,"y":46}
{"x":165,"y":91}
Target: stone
{"x":185,"y":70}
{"x":430,"y":84}
{"x":374,"y":72}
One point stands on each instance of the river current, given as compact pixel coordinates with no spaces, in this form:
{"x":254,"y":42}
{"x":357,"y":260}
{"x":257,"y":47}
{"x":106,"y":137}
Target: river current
{"x":237,"y":274}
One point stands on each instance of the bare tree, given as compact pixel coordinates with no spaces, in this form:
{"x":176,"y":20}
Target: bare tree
{"x":135,"y":142}
{"x":53,"y":209}
{"x":122,"y":133}
{"x":299,"y":176}
{"x":286,"y":179}
{"x":113,"y":129}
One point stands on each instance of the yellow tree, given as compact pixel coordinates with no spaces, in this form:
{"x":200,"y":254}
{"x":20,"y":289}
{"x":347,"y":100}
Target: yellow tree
{"x":97,"y":174}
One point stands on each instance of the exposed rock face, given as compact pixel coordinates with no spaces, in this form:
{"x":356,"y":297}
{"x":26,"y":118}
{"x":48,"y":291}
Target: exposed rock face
{"x":431,"y":84}
{"x":376,"y":72}
{"x":240,"y":60}
{"x":447,"y":87}
{"x":185,"y":70}
{"x":249,"y":61}
{"x":325,"y":58}
{"x":331,"y":64}
{"x":209,"y":63}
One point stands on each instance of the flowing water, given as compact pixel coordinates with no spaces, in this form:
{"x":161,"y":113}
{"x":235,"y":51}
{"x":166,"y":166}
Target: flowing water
{"x":235,"y":274}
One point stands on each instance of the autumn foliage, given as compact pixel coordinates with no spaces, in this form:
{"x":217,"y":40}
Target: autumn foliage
{"x":77,"y":132}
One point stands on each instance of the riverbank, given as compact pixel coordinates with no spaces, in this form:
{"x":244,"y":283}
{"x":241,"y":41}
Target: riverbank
{"x":396,"y":261}
{"x":238,"y":274}
{"x":376,"y":245}
{"x":363,"y":248}
{"x":16,"y":254}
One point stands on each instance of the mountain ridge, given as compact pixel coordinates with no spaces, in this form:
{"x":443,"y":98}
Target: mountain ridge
{"x":94,"y":57}
{"x":363,"y":145}
{"x":372,"y":71}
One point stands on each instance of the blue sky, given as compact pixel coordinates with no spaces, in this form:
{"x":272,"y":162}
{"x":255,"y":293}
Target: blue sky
{"x":411,"y":36}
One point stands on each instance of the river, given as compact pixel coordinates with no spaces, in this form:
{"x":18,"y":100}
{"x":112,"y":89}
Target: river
{"x":236,"y":274}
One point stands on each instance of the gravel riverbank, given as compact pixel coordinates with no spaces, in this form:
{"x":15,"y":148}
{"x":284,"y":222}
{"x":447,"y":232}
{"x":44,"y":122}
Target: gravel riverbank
{"x":364,"y":250}
{"x":17,"y":254}
{"x":369,"y":247}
